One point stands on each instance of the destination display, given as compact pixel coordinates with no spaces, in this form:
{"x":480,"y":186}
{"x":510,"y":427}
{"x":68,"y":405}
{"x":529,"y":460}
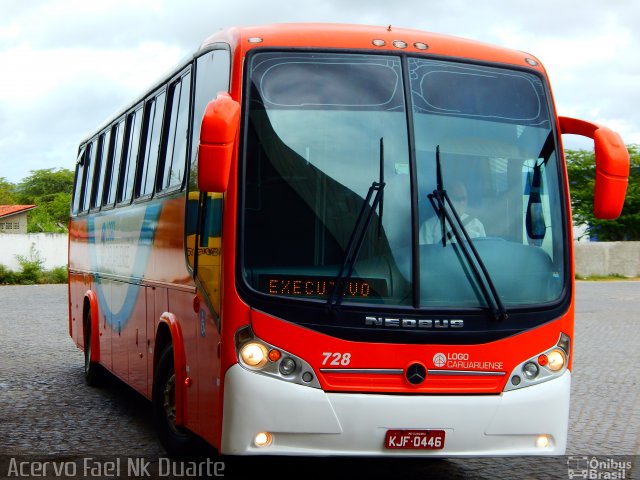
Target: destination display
{"x":320,"y":286}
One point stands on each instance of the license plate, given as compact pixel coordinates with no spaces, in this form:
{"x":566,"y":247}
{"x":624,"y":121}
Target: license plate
{"x":414,"y":439}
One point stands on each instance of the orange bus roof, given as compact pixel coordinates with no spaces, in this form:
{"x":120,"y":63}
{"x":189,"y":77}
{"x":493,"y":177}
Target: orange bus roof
{"x":316,"y":35}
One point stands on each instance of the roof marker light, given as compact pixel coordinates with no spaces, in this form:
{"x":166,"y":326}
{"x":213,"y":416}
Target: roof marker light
{"x":421,"y":45}
{"x":378,"y":42}
{"x":254,"y":40}
{"x":399,"y":44}
{"x":531,"y":62}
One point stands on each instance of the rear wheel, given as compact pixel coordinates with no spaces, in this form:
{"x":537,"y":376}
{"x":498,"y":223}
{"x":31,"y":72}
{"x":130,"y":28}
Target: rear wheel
{"x":176,"y":440}
{"x":92,"y":370}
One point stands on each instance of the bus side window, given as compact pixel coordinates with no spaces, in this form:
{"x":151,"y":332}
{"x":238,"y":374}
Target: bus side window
{"x":117,"y":138}
{"x":212,"y":76}
{"x":89,"y":170}
{"x":204,"y":242}
{"x":77,"y":186}
{"x":130,"y":156}
{"x":101,"y":165}
{"x":172,"y":172}
{"x":148,"y":161}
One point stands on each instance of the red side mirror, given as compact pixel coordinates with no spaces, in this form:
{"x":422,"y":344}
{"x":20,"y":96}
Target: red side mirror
{"x":612,"y":166}
{"x":218,"y":133}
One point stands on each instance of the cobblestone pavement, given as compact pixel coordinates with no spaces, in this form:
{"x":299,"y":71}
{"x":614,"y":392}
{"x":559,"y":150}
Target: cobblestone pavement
{"x":46,"y":411}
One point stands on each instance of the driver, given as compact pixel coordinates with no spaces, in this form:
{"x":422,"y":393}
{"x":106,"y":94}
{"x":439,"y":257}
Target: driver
{"x":431,"y":230}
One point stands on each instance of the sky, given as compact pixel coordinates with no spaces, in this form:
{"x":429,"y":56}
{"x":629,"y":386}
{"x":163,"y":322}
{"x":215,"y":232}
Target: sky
{"x":67,"y":65}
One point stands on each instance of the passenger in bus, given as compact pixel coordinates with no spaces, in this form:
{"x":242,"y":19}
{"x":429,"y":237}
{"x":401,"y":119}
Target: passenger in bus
{"x":431,"y":230}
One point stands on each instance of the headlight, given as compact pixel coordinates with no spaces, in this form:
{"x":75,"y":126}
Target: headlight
{"x":260,"y":357}
{"x":542,"y":367}
{"x":254,"y":355}
{"x":556,"y":359}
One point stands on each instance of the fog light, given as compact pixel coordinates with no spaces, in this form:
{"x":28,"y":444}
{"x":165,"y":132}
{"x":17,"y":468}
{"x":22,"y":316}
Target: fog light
{"x":287,"y":366}
{"x":263,"y":439}
{"x":556,"y":360}
{"x":530,"y":370}
{"x":543,"y":441}
{"x":254,"y":354}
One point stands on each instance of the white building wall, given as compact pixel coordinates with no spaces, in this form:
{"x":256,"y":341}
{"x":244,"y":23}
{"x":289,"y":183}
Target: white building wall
{"x":51,"y":248}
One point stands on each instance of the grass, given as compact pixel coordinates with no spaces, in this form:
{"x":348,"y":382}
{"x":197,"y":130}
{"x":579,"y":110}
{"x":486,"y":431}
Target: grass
{"x":604,"y":278}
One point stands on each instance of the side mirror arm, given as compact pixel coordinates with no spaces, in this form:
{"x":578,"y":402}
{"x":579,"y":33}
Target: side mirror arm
{"x":612,"y":165}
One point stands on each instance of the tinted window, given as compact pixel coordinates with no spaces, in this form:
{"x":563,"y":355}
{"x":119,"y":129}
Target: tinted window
{"x":128,"y":167}
{"x":101,"y":166}
{"x":212,"y":76}
{"x":477,"y":92}
{"x":153,"y":125}
{"x":77,"y":187}
{"x":114,"y":162}
{"x":328,"y":81}
{"x":176,"y":151}
{"x":90,"y":167}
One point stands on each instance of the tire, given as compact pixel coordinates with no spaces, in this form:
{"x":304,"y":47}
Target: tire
{"x":93,"y":373}
{"x":176,"y":440}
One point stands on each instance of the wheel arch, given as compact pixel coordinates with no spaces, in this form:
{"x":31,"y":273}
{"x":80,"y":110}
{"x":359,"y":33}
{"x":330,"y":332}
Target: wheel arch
{"x":170,"y":333}
{"x":90,"y":311}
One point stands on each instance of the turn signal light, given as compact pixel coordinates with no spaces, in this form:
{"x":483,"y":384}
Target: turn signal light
{"x":274,"y":355}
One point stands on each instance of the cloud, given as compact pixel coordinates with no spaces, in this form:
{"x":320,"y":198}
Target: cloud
{"x":67,"y":64}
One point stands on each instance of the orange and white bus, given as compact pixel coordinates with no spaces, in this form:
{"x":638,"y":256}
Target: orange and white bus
{"x":322,"y":239}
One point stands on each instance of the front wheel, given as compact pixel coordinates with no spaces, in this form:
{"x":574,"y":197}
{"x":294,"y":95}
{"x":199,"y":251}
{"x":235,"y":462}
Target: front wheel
{"x":176,"y":440}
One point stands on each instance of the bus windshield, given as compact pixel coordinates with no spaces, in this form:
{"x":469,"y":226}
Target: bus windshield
{"x":324,"y":127}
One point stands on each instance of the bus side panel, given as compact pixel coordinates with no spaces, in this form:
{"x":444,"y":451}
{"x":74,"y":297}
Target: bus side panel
{"x":209,"y":373}
{"x":79,"y":279}
{"x":106,"y":334}
{"x":120,"y":352}
{"x":201,"y":340}
{"x":78,"y":285}
{"x":189,"y":325}
{"x":156,"y":305}
{"x":135,"y":336}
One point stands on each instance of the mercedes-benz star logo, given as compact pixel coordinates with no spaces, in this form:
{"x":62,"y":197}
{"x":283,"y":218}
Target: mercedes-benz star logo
{"x":416,"y":373}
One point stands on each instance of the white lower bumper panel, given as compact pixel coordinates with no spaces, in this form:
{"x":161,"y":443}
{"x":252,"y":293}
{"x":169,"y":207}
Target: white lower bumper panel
{"x":309,"y":421}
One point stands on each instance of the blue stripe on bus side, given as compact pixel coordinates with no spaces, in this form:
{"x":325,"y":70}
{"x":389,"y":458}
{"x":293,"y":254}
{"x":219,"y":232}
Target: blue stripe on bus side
{"x":147,"y":232}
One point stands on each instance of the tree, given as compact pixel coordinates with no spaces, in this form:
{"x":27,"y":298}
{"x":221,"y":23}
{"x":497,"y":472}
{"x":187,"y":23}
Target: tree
{"x":50,"y":189}
{"x":7,"y":192}
{"x":581,"y":171}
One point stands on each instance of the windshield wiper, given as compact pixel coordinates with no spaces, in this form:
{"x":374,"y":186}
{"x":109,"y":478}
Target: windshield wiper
{"x":376,"y":190}
{"x":440,"y":200}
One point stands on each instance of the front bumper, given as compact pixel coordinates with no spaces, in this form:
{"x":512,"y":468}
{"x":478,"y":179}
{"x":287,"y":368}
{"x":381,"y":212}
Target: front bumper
{"x":309,"y":421}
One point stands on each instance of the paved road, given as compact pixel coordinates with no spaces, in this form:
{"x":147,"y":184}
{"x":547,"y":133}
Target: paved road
{"x":46,"y":409}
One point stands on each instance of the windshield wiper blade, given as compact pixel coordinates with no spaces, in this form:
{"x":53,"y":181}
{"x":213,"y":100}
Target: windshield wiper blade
{"x":376,"y":190}
{"x":468,"y":249}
